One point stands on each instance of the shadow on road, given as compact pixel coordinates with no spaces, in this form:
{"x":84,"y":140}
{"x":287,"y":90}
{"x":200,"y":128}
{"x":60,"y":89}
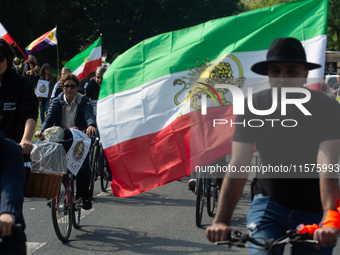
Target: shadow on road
{"x":103,"y":239}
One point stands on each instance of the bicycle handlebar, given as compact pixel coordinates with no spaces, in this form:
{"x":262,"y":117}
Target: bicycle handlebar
{"x":16,"y":229}
{"x":238,"y":239}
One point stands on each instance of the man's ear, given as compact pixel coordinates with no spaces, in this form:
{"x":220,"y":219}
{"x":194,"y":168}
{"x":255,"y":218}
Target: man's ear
{"x":306,"y":73}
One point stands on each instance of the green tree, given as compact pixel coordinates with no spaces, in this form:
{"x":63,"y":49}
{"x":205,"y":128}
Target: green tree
{"x":333,"y":42}
{"x":123,"y":23}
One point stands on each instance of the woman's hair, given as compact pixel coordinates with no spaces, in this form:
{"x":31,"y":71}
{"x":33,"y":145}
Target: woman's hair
{"x":66,"y":68}
{"x":7,"y":52}
{"x":42,"y":70}
{"x":90,"y":75}
{"x":70,"y":77}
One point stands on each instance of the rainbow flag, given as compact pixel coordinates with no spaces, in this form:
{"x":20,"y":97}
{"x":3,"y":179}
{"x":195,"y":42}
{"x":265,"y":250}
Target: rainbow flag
{"x":47,"y":39}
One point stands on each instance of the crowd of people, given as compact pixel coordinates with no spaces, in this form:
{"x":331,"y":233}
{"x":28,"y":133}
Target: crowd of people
{"x":65,"y":105}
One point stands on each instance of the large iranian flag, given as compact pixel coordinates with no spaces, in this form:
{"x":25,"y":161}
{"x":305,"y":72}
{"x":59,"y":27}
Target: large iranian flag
{"x":87,"y":61}
{"x":149,"y":114}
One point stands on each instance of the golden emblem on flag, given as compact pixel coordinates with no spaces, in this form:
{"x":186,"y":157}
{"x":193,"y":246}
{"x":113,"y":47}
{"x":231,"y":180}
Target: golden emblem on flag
{"x":204,"y":77}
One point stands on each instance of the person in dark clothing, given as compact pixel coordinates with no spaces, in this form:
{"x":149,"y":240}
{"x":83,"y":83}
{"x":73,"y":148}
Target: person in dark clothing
{"x":71,"y":109}
{"x":31,"y":69}
{"x":92,"y":90}
{"x":45,"y":74}
{"x":12,"y":182}
{"x":18,"y":104}
{"x":284,"y":201}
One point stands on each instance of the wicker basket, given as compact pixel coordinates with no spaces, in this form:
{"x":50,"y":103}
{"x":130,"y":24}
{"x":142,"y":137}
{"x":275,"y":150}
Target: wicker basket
{"x":43,"y":185}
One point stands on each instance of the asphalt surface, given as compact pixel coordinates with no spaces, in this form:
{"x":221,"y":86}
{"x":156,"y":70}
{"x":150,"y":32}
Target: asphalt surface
{"x":161,"y":221}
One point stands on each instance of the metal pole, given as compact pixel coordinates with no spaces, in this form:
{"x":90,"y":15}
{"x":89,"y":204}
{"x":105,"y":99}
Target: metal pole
{"x":57,"y":48}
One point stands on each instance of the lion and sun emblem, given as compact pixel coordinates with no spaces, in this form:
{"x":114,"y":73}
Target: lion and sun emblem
{"x":204,"y":78}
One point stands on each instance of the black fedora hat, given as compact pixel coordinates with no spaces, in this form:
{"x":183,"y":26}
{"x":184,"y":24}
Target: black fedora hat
{"x":284,"y":49}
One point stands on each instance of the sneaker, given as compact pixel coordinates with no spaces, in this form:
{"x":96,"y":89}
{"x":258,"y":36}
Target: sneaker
{"x":109,"y":177}
{"x":87,"y":204}
{"x":192,"y":184}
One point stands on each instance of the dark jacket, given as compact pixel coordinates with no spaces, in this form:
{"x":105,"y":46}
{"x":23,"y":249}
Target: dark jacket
{"x":12,"y":181}
{"x":92,"y":90}
{"x":84,"y":114}
{"x":33,"y":78}
{"x":18,"y":103}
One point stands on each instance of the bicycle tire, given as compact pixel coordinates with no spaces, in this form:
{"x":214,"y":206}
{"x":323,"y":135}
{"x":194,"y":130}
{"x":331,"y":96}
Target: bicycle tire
{"x":199,"y":202}
{"x":62,"y":214}
{"x":211,"y":196}
{"x":94,"y":170}
{"x":76,"y":212}
{"x":103,"y":167}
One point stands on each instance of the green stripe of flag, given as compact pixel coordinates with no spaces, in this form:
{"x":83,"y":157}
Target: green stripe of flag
{"x":250,"y":31}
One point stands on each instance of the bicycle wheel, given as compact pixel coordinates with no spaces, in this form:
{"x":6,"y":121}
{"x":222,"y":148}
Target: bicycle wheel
{"x":104,"y":169}
{"x":199,"y":201}
{"x":76,"y":208}
{"x":211,"y":195}
{"x":94,"y":167}
{"x":62,"y":214}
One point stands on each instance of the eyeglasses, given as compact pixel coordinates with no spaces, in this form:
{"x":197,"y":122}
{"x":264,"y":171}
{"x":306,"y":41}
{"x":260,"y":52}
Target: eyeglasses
{"x":2,"y":59}
{"x":70,"y":86}
{"x":47,"y":68}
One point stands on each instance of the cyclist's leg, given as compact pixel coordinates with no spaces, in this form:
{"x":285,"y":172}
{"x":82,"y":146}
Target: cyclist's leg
{"x":308,"y":218}
{"x":83,"y":183}
{"x":266,"y":219}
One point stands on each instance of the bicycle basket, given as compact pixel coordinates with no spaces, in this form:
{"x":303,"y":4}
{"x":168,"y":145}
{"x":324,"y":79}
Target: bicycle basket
{"x":42,"y":185}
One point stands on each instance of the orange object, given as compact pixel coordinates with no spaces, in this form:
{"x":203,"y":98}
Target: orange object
{"x":332,"y":219}
{"x":308,"y":229}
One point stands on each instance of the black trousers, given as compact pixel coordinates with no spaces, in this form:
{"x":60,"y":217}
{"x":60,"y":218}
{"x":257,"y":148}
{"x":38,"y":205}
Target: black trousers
{"x":83,"y":179}
{"x":13,"y":249}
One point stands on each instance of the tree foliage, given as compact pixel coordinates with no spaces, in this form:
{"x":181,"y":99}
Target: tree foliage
{"x":334,"y":25}
{"x":333,"y":33}
{"x":123,"y":23}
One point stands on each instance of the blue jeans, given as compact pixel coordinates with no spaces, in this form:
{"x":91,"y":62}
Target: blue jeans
{"x":267,"y":219}
{"x":43,"y":109}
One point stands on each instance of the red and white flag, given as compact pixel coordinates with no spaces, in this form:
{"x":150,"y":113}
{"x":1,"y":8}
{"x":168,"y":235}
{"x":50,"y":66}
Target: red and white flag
{"x":4,"y":34}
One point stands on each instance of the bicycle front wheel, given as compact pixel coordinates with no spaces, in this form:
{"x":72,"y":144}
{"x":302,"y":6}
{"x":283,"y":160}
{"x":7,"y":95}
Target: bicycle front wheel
{"x":104,"y":169}
{"x":76,"y":212}
{"x":199,"y":202}
{"x":211,"y":195}
{"x":62,"y":214}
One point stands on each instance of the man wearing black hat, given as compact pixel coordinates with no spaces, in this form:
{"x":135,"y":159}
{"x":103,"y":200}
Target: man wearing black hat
{"x":284,"y":201}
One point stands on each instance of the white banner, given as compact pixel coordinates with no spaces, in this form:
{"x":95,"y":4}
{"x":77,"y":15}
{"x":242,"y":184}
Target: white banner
{"x":78,"y":151}
{"x":42,"y":88}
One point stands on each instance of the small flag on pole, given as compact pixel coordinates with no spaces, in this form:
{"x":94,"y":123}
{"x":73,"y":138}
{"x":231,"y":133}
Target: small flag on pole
{"x":4,"y":34}
{"x":47,"y":39}
{"x":87,"y":61}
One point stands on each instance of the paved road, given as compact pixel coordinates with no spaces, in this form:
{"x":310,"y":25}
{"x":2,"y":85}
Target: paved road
{"x":161,"y":221}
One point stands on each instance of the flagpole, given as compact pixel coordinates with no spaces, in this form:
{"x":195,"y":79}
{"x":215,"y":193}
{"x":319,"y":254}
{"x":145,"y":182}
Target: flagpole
{"x":21,"y":51}
{"x":57,"y":47}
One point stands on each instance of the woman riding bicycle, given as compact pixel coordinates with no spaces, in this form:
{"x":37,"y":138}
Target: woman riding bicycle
{"x":71,"y":109}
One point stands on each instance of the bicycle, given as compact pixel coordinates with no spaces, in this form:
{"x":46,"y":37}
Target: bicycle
{"x":65,"y":208}
{"x":272,"y":246}
{"x":99,"y":166}
{"x":206,"y":188}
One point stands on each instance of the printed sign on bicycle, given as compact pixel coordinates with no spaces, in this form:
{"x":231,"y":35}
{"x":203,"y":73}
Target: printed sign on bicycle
{"x":78,"y":151}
